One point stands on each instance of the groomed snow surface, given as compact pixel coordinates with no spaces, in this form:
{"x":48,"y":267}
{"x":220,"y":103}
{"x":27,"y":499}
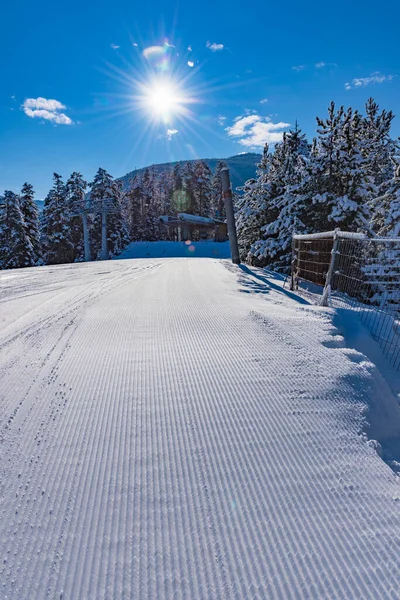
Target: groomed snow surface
{"x":182,"y":428}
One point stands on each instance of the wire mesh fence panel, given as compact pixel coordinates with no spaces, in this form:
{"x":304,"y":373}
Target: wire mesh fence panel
{"x":357,"y":273}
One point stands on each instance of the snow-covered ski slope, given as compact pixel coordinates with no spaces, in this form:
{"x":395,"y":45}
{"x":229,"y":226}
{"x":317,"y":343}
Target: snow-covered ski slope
{"x":184,"y":428}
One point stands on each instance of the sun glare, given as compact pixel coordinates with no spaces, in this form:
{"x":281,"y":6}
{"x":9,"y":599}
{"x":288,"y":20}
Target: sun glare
{"x":164,"y":100}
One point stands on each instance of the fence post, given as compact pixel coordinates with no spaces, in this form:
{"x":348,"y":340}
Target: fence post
{"x":327,"y":289}
{"x":230,"y":217}
{"x":292,"y":264}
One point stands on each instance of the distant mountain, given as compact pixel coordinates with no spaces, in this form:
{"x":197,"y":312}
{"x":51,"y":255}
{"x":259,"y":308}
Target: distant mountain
{"x":241,"y":167}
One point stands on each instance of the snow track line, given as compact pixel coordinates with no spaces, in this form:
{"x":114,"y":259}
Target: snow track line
{"x":173,"y":442}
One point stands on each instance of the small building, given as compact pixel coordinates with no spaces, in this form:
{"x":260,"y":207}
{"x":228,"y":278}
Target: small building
{"x":182,"y":227}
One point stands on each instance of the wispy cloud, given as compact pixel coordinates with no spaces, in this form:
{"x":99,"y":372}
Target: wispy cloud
{"x":49,"y":110}
{"x":264,"y":101}
{"x":322,"y":64}
{"x":190,"y":48}
{"x":171,"y":132}
{"x":299,"y":68}
{"x":254,"y":131}
{"x":214,"y":47}
{"x":364,"y":81}
{"x":135,"y":44}
{"x":221,"y":119}
{"x":114,"y":46}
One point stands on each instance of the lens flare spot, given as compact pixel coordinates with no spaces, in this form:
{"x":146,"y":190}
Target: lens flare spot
{"x":188,"y":242}
{"x":191,"y":248}
{"x":180,"y":201}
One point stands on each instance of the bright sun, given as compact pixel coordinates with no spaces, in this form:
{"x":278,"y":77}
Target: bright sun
{"x":164,"y":100}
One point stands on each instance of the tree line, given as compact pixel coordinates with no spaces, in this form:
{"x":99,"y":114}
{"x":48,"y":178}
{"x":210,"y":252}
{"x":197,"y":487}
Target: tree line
{"x":348,"y":177}
{"x":28,"y":238}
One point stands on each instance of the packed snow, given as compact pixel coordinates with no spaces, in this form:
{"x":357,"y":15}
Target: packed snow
{"x":179,"y":428}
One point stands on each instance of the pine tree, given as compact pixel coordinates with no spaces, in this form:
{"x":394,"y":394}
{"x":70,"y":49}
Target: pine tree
{"x":177,"y":192}
{"x":252,"y":208}
{"x":30,"y":213}
{"x":134,"y":218}
{"x":16,"y":249}
{"x":377,"y":147}
{"x":284,"y":205}
{"x":76,"y":198}
{"x":386,"y":219}
{"x":58,"y":246}
{"x":336,"y":187}
{"x":217,"y":202}
{"x":187,"y":200}
{"x":202,"y":188}
{"x":106,"y":196}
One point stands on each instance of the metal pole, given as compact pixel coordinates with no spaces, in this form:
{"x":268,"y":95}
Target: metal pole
{"x":104,"y":254}
{"x":230,"y":217}
{"x":86,"y":244}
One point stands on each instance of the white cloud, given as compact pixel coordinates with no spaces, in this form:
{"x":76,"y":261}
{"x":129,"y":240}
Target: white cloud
{"x":190,"y":48}
{"x":190,"y":63}
{"x":320,"y":65}
{"x":135,"y":44}
{"x":254,"y":131}
{"x":171,"y":132}
{"x":221,"y":119}
{"x":49,"y":110}
{"x":264,"y":101}
{"x":114,"y":46}
{"x":299,"y":68}
{"x":364,"y":81}
{"x":214,"y":47}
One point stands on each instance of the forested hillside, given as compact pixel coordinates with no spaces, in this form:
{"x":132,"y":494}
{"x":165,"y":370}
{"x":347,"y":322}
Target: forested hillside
{"x":241,"y":167}
{"x":348,"y":176}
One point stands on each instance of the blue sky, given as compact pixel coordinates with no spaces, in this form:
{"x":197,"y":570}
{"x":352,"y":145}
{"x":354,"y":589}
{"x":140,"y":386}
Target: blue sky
{"x":254,"y":67}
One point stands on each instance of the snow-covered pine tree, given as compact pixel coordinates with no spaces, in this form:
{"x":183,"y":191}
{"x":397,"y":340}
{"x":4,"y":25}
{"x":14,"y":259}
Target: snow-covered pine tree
{"x":217,"y":202}
{"x":151,"y":225}
{"x":285,"y":203}
{"x":106,"y":195}
{"x":202,"y":188}
{"x":30,"y":213}
{"x":382,"y":267}
{"x":381,"y":154}
{"x":58,"y":246}
{"x":188,"y":200}
{"x":117,"y":229}
{"x":134,"y":218}
{"x":377,"y":147}
{"x":177,"y":199}
{"x":76,"y":198}
{"x":252,"y":208}
{"x":386,"y":218}
{"x":16,"y":249}
{"x":354,"y":184}
{"x":336,"y":187}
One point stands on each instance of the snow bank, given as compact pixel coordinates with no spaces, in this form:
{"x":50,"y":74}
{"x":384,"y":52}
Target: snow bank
{"x":204,"y":249}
